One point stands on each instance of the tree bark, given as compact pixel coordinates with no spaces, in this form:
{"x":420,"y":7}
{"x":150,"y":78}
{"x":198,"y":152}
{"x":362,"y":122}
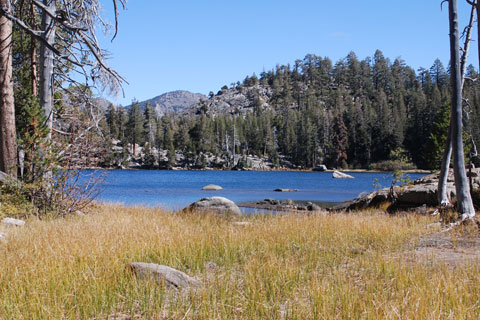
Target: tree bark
{"x":443,"y":198}
{"x":464,"y":200}
{"x":8,"y":142}
{"x":442,"y":195}
{"x":46,"y":65}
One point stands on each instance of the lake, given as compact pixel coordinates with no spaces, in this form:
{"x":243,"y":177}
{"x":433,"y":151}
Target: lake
{"x":177,"y":189}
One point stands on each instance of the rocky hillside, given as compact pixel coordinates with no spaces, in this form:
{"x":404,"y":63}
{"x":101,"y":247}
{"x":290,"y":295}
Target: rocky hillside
{"x":237,"y":100}
{"x":174,"y":101}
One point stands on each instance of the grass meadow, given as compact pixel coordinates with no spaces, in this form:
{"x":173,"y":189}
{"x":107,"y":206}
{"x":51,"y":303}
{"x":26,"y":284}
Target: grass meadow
{"x":322,"y":266}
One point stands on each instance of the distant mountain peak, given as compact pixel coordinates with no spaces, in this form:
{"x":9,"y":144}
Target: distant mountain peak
{"x":173,"y":101}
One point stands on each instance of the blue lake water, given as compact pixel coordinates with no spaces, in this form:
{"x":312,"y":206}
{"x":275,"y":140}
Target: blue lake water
{"x":177,"y":189}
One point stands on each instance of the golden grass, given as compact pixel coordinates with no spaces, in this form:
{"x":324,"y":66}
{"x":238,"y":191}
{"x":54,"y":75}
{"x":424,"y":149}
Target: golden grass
{"x":279,"y":267}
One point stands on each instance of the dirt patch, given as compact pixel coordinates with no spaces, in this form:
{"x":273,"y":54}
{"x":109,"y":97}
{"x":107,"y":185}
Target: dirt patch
{"x":457,"y":246}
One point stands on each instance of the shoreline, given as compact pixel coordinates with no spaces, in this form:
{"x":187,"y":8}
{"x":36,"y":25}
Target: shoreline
{"x":289,"y":205}
{"x":261,"y":170}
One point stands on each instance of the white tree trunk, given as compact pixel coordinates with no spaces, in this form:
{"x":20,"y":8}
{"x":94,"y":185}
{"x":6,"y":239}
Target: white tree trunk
{"x":464,"y":200}
{"x":46,"y":65}
{"x":442,"y":195}
{"x":443,"y":198}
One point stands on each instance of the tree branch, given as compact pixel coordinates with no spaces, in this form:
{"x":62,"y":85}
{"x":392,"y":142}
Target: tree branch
{"x":36,"y":34}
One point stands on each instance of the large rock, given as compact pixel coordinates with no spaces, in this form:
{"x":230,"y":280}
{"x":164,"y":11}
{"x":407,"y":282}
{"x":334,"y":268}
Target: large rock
{"x":215,"y":204}
{"x":212,"y":187}
{"x":3,"y":177}
{"x":6,"y":179}
{"x":417,"y":195}
{"x":321,"y":168}
{"x":341,"y":175}
{"x":160,"y":273}
{"x":10,"y":222}
{"x":420,"y":192}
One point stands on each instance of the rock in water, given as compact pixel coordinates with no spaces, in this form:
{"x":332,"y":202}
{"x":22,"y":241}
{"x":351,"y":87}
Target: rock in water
{"x":10,"y":222}
{"x":212,"y":187}
{"x":341,"y":175}
{"x":172,"y":277}
{"x":215,"y":204}
{"x":285,"y":190}
{"x":321,"y":168}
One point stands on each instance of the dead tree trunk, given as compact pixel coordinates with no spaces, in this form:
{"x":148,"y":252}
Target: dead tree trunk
{"x":464,"y":200}
{"x":8,"y":142}
{"x":47,"y":64}
{"x":443,"y":198}
{"x":33,"y":53}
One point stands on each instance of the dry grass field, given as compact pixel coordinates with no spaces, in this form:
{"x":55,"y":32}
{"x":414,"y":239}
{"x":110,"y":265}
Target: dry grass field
{"x":346,"y":266}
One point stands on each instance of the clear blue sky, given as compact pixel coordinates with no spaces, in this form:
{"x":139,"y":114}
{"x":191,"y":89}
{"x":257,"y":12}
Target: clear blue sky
{"x":199,"y":46}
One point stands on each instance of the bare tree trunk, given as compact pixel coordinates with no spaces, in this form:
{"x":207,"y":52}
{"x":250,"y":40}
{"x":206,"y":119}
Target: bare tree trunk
{"x":33,"y":53}
{"x":443,"y":198}
{"x":46,"y":65}
{"x":8,"y":142}
{"x":464,"y":200}
{"x":442,"y":195}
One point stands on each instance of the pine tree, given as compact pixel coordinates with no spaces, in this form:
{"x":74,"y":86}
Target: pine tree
{"x":135,"y":123}
{"x":113,"y":121}
{"x":150,"y":124}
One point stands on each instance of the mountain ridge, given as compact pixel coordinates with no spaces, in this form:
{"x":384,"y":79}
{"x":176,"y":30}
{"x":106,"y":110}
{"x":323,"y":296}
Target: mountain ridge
{"x":173,"y":101}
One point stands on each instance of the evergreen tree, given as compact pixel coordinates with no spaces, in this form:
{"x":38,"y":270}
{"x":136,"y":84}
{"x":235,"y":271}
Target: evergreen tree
{"x":150,"y":124}
{"x":135,"y":133}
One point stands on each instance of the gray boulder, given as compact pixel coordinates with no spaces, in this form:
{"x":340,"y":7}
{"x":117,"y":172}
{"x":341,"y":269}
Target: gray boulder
{"x":215,"y":204}
{"x":212,"y":187}
{"x":241,"y":223}
{"x":313,"y":207}
{"x":417,"y":195}
{"x":10,"y":222}
{"x":321,"y":168}
{"x":285,"y":190}
{"x":4,"y":177}
{"x":341,"y":175}
{"x":173,"y":278}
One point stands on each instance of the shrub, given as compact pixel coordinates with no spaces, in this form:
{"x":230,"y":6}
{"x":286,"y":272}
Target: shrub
{"x":392,"y":165}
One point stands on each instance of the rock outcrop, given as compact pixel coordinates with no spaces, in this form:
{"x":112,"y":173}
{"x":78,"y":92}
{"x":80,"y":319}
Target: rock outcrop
{"x":215,"y":204}
{"x":241,"y":99}
{"x":282,"y":205}
{"x":174,"y":101}
{"x":173,"y":278}
{"x":341,"y":175}
{"x":420,"y":192}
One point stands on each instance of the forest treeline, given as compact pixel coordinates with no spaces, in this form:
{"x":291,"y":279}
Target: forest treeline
{"x":350,"y":114}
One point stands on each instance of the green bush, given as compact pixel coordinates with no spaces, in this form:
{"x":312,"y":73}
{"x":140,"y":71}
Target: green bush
{"x":392,"y":165}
